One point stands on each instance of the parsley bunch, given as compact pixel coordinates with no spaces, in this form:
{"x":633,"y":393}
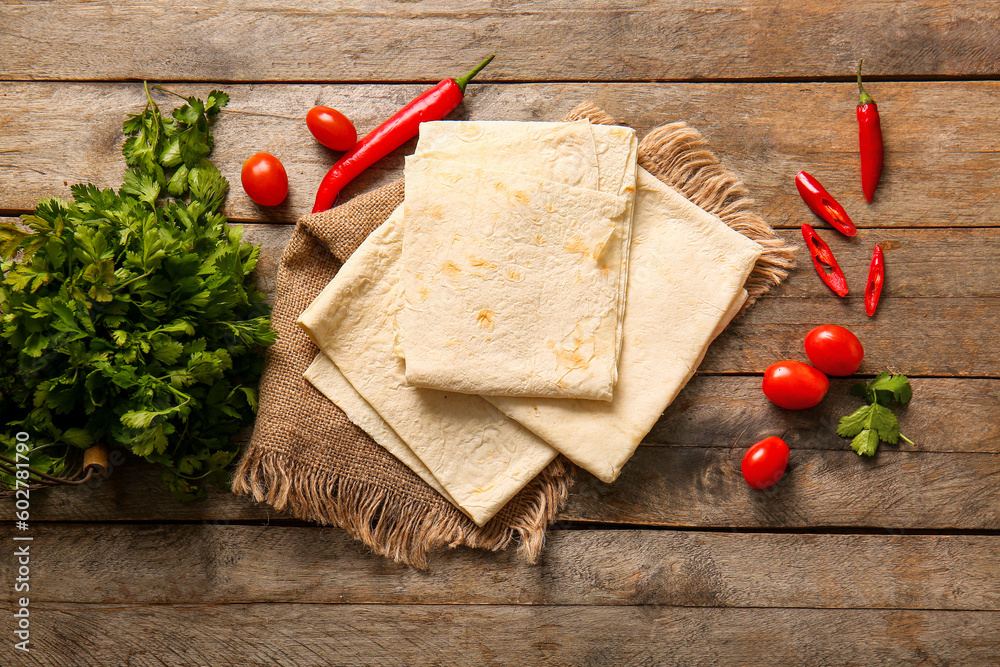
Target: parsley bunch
{"x":130,"y":317}
{"x":872,"y":423}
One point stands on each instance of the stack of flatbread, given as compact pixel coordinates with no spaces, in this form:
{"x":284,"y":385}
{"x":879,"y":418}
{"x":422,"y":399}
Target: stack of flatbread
{"x":536,"y":293}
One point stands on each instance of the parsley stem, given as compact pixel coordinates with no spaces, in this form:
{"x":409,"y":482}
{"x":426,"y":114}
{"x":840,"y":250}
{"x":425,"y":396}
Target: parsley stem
{"x":161,"y":88}
{"x":149,"y":100}
{"x":132,"y":280}
{"x":907,"y":439}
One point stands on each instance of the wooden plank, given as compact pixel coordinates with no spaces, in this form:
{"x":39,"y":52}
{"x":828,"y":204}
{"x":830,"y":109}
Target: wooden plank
{"x":272,"y":240}
{"x":661,"y":486}
{"x":915,"y":336}
{"x":724,"y":412}
{"x":946,"y":262}
{"x":949,"y":262}
{"x":949,"y":337}
{"x":449,"y":634}
{"x":942,"y":165}
{"x":703,"y":487}
{"x":89,"y":563}
{"x":587,"y":40}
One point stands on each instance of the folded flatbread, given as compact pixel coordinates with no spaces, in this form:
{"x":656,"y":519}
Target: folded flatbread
{"x":596,"y":157}
{"x":511,"y":283}
{"x":687,"y":270}
{"x":325,"y":376}
{"x":479,"y":456}
{"x":515,"y":257}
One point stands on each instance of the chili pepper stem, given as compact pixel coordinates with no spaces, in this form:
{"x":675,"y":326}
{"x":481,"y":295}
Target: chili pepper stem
{"x":464,"y":80}
{"x":865,"y":97}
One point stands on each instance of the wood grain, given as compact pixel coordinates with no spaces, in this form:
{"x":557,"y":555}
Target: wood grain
{"x":890,"y":560}
{"x":915,"y":336}
{"x":587,"y":40}
{"x":942,"y":164}
{"x":941,"y":262}
{"x":950,"y":336}
{"x":450,"y":634}
{"x":713,"y":411}
{"x":88,"y":563}
{"x":660,"y":486}
{"x":692,"y":486}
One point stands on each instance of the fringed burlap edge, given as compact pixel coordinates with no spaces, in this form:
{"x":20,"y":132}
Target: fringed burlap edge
{"x":406,"y":534}
{"x":678,"y":155}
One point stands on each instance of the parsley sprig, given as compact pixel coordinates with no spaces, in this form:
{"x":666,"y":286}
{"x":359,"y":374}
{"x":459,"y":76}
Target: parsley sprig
{"x":875,"y":422}
{"x":130,"y":316}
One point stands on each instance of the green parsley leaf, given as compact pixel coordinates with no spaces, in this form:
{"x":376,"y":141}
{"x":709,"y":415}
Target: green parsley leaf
{"x":11,"y":238}
{"x":884,"y":423}
{"x":889,"y":388}
{"x":865,"y":443}
{"x":873,"y":423}
{"x":855,"y":422}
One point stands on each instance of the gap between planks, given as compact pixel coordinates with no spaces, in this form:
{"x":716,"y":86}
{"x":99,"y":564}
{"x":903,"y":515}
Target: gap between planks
{"x":567,"y":525}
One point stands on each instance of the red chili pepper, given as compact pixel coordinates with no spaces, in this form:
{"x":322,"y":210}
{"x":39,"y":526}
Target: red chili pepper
{"x":823,"y":205}
{"x":822,"y":255}
{"x":876,"y":276}
{"x":433,"y":104}
{"x":870,"y":141}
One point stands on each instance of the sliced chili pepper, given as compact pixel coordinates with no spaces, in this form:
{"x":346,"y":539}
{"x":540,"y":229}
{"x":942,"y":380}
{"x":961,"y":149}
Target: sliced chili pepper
{"x":822,"y":255}
{"x":876,"y":276}
{"x":869,"y":140}
{"x":823,"y":205}
{"x":434,"y":104}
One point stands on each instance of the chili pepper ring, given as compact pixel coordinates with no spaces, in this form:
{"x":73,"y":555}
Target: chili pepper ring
{"x":876,"y":277}
{"x":823,"y":204}
{"x":822,"y":258}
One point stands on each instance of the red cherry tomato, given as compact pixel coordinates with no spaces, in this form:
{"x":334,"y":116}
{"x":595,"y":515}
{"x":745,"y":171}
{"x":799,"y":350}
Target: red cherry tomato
{"x":264,"y":179}
{"x":834,"y":350}
{"x":331,"y":128}
{"x":765,"y":463}
{"x":794,"y":385}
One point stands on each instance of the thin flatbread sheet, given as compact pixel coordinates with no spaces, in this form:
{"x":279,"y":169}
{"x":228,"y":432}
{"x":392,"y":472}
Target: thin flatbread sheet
{"x":479,"y":456}
{"x":512,"y":283}
{"x":687,"y":271}
{"x":325,"y":376}
{"x":596,"y":157}
{"x":577,"y":153}
{"x":562,"y":152}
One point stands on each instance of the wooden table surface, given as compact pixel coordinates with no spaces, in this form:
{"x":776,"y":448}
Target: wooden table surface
{"x":892,"y":560}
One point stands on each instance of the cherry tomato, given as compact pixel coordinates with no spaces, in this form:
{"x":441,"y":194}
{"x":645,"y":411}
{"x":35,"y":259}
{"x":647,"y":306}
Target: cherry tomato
{"x":834,"y":350}
{"x":765,"y":463}
{"x":331,"y":128}
{"x":794,"y":385}
{"x":264,"y":179}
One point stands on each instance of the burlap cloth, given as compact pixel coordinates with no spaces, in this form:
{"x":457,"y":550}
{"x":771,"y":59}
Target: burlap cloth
{"x":306,"y":458}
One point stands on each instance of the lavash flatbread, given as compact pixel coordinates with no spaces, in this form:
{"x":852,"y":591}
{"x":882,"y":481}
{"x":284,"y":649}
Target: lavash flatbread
{"x":481,"y":457}
{"x":687,"y":270}
{"x":491,"y":224}
{"x":562,"y":152}
{"x":511,"y":283}
{"x":325,"y":376}
{"x":596,"y":157}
